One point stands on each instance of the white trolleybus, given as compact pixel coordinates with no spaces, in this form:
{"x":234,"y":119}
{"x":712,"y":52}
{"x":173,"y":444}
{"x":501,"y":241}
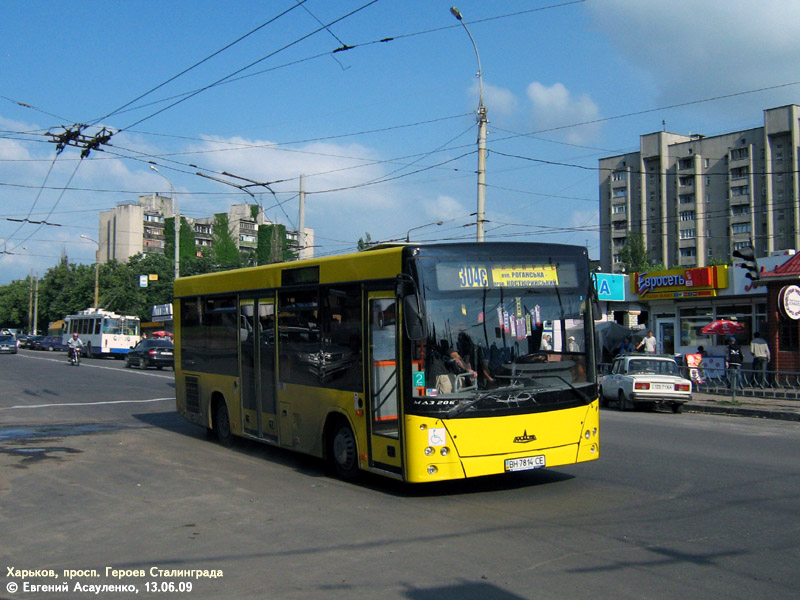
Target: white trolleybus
{"x":103,"y":332}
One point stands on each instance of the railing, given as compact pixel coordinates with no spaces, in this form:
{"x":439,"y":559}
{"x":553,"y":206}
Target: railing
{"x":748,"y":382}
{"x":719,"y":380}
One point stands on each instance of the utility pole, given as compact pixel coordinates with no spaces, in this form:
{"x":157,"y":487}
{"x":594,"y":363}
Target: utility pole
{"x":36,"y":304}
{"x":30,"y":307}
{"x":301,"y":233}
{"x":482,"y":121}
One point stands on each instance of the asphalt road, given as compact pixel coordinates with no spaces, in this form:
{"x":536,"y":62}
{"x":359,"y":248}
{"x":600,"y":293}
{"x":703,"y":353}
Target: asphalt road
{"x":97,"y":471}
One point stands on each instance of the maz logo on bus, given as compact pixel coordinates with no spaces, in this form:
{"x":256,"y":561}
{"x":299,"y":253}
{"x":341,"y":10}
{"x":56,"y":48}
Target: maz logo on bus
{"x":473,"y":277}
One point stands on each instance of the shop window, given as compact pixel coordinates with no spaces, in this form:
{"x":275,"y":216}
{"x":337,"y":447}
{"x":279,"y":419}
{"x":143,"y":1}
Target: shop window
{"x":788,"y":339}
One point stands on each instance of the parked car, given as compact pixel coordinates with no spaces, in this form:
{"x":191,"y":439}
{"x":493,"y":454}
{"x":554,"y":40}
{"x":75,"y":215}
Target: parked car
{"x":49,"y":342}
{"x":645,"y":381}
{"x":8,"y":344}
{"x":151,"y":353}
{"x":30,"y":341}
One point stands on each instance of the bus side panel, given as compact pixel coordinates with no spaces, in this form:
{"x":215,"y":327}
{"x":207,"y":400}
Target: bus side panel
{"x":304,"y":411}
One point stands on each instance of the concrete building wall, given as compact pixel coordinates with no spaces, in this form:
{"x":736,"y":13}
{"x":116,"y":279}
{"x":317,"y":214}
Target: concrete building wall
{"x":696,"y":199}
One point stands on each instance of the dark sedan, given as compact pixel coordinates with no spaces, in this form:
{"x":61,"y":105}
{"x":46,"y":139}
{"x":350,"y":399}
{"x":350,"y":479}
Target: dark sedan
{"x":151,"y":353}
{"x":49,"y":342}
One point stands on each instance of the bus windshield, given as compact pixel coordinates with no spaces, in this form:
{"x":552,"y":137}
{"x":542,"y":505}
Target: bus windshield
{"x":505,"y":334}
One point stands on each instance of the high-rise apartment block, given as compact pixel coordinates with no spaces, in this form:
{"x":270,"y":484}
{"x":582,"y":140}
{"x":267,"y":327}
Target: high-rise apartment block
{"x":138,"y":226}
{"x":695,"y":198}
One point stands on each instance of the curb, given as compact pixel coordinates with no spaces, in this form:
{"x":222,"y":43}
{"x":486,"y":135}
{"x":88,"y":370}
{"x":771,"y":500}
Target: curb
{"x":741,"y":411}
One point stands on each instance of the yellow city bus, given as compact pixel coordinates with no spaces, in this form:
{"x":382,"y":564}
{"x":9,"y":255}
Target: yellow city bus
{"x":418,"y":362}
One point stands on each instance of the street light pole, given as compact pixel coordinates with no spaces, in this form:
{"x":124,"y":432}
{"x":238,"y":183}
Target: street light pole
{"x":96,"y":270}
{"x":177,"y":222}
{"x":482,"y":121}
{"x":408,"y":235}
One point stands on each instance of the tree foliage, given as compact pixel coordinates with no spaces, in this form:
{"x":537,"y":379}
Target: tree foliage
{"x":634,"y":254}
{"x":273,"y":246}
{"x":225,"y":253}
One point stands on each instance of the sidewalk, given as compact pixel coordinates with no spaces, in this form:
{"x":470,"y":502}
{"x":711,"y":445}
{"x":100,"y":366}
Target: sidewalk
{"x":744,"y":406}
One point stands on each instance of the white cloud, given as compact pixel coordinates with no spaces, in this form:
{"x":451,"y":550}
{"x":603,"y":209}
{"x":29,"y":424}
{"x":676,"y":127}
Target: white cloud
{"x":697,"y":49}
{"x":444,"y":208}
{"x":555,"y":106}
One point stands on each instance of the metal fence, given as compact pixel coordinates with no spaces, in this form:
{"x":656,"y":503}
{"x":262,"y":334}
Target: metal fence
{"x":724,"y":381}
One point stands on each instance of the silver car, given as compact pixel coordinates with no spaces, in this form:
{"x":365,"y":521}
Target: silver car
{"x":8,"y":344}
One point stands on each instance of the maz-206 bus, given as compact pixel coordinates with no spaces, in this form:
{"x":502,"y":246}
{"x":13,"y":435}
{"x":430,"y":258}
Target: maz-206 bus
{"x":103,"y":332}
{"x":353,"y":358}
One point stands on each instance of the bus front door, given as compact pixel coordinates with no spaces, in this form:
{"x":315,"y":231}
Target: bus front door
{"x":385,"y":450}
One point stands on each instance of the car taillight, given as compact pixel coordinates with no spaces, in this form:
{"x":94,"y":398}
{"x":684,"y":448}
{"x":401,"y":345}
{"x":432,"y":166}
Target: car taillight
{"x":641,"y":385}
{"x":152,"y":353}
{"x":682,"y":387}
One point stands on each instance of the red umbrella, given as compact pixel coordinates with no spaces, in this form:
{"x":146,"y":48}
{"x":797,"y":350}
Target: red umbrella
{"x":723,"y":327}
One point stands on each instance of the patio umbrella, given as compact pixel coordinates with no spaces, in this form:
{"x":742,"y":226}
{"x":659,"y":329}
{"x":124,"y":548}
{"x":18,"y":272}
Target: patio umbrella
{"x":723,"y":327}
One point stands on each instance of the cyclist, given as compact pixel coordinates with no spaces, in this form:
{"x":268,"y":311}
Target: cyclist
{"x":72,"y":345}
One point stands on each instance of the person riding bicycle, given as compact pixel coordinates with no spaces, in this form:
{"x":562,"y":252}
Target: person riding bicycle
{"x":74,"y":344}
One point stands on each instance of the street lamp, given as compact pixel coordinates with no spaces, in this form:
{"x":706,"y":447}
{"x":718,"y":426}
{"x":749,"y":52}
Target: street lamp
{"x":408,"y":235}
{"x":96,"y":269}
{"x":177,"y":222}
{"x":482,"y":120}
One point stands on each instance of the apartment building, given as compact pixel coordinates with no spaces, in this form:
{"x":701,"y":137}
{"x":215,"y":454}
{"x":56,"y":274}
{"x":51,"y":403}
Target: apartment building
{"x":138,"y":226}
{"x":695,"y":198}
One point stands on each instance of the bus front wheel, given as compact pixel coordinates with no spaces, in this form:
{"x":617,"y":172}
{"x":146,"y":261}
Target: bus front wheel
{"x":222,"y":424}
{"x":343,"y":452}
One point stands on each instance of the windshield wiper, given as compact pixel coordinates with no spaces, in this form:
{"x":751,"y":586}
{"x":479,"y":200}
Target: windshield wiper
{"x":461,"y":408}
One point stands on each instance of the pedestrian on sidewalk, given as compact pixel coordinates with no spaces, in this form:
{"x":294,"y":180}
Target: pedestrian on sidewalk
{"x":733,"y":362}
{"x":761,"y":357}
{"x":648,"y":343}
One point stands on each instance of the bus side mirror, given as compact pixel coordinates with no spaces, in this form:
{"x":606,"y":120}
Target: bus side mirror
{"x":415,"y":326}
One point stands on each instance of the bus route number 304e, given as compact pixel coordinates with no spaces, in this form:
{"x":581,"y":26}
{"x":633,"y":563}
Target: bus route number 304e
{"x":525,"y":463}
{"x":473,"y":276}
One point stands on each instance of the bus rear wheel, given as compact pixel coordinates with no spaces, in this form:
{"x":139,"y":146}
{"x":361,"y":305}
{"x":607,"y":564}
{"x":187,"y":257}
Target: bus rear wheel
{"x":222,"y":424}
{"x":343,"y":453}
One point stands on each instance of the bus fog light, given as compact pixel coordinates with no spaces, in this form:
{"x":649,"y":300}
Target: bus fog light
{"x":432,"y":469}
{"x":429,"y":451}
{"x":594,"y":431}
{"x":444,"y":451}
{"x":588,"y":434}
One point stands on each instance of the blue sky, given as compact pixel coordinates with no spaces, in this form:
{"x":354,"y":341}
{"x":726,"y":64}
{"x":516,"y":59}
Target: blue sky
{"x":384,"y":132}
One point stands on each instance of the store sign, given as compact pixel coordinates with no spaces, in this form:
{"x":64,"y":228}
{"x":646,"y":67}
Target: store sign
{"x":789,"y":302}
{"x":610,"y":287}
{"x":680,"y":283}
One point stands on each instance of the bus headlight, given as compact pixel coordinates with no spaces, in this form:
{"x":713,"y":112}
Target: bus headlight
{"x":432,"y":469}
{"x":588,"y":434}
{"x":429,"y":451}
{"x":444,"y":451}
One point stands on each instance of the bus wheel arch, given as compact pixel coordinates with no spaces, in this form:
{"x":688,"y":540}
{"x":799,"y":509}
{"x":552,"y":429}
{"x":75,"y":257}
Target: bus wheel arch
{"x":220,"y":419}
{"x":341,"y":447}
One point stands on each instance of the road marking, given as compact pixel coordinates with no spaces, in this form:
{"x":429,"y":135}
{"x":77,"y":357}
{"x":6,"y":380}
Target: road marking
{"x":87,"y":403}
{"x":89,"y":366}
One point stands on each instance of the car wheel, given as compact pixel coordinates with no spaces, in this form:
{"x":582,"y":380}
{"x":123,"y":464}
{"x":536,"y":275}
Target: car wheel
{"x":343,"y":453}
{"x":623,"y":404}
{"x":677,"y":408}
{"x":222,"y":424}
{"x":127,"y":363}
{"x":603,"y":400}
{"x":159,"y":367}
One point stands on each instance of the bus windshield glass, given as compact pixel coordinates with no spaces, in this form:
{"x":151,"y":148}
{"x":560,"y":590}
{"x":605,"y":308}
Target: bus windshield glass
{"x":505,"y":333}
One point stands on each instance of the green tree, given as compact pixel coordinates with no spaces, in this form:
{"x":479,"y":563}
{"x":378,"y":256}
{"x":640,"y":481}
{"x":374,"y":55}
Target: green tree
{"x":273,"y":245}
{"x":226,"y":254}
{"x":187,"y":242}
{"x":14,"y":303}
{"x":64,"y":290}
{"x":365,"y":242}
{"x":634,"y":254}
